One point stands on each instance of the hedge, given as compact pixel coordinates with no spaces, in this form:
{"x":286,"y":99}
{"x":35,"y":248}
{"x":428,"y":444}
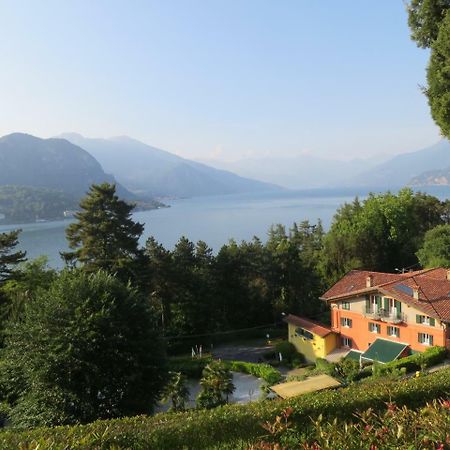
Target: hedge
{"x":260,"y":370}
{"x":193,"y":368}
{"x":230,"y":426}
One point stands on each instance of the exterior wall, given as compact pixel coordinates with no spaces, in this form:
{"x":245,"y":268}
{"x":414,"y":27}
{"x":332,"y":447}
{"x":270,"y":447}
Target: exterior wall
{"x":312,"y":349}
{"x":361,"y":336}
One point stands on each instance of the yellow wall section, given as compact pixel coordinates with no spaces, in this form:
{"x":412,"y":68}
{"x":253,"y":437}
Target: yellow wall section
{"x":312,"y":349}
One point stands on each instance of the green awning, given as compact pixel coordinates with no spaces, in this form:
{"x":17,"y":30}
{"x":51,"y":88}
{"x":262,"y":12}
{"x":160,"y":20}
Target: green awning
{"x":353,"y":354}
{"x":384,"y":351}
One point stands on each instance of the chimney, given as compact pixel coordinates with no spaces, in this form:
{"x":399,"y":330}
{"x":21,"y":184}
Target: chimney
{"x":369,"y":281}
{"x":416,"y":293}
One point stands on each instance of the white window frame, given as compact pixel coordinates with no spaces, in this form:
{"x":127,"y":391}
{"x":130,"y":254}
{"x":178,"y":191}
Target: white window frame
{"x":425,"y":339}
{"x":347,"y":322}
{"x":374,"y":328}
{"x":396,"y":331}
{"x":346,"y":342}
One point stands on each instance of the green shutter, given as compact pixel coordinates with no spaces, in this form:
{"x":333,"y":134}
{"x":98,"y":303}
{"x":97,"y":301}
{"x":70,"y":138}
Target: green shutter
{"x":431,"y":340}
{"x":378,"y":300}
{"x":432,"y":321}
{"x":398,"y":305}
{"x":386,"y":304}
{"x":418,"y":318}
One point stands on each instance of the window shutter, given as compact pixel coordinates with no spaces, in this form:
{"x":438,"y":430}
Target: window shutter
{"x":419,"y":337}
{"x":378,"y":300}
{"x":432,"y":321}
{"x":386,"y":304}
{"x":367,"y":303}
{"x":398,"y":305}
{"x":418,"y":318}
{"x":431,"y":340}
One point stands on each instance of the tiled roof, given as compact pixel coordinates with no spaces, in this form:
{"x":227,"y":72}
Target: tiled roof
{"x":432,"y":284}
{"x":313,"y":327}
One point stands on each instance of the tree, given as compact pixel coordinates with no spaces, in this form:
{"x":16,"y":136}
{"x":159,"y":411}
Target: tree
{"x":8,"y":257}
{"x":176,"y":391}
{"x":429,"y":21}
{"x":436,"y":248}
{"x":425,"y":18}
{"x":438,"y":77}
{"x":105,"y":236}
{"x":382,"y":234}
{"x":216,"y":385}
{"x":87,"y":348}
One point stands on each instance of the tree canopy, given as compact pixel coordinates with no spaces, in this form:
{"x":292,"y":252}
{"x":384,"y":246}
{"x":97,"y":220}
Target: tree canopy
{"x":9,"y":258}
{"x":429,"y":21}
{"x":86,"y":348}
{"x":436,"y":247}
{"x":104,"y":235}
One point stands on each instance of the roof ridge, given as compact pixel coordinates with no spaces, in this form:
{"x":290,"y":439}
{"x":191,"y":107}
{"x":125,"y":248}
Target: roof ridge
{"x":428,"y":300}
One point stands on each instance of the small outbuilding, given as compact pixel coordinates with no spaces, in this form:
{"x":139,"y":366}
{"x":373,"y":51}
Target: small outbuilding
{"x":310,"y":338}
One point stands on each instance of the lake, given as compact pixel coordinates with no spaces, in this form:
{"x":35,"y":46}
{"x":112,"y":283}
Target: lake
{"x":213,"y":219}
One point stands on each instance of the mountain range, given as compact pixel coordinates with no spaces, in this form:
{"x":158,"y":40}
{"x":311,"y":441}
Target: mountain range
{"x":152,"y":171}
{"x":27,"y":160}
{"x":310,"y":171}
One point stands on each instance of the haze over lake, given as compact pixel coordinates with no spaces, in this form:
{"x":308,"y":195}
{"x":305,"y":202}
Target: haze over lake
{"x":214,"y":219}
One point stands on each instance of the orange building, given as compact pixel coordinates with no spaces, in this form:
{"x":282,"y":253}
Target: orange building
{"x":411,"y":308}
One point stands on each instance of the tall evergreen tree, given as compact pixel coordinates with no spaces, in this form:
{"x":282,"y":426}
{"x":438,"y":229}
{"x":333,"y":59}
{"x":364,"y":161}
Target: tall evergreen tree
{"x":105,"y":236}
{"x":8,"y":257}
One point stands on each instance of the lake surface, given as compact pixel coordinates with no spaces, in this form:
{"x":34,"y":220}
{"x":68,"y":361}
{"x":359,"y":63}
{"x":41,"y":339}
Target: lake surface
{"x":214,"y":219}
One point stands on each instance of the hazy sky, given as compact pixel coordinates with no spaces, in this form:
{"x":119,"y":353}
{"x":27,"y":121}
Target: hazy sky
{"x":217,"y":78}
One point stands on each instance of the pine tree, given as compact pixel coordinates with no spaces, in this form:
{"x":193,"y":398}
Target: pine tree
{"x":8,"y":257}
{"x":105,"y":236}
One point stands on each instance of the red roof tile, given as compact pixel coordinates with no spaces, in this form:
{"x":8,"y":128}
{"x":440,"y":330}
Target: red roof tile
{"x":307,"y":324}
{"x":432,"y":285}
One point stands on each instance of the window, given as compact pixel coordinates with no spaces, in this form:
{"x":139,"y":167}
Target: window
{"x":304,"y":333}
{"x":393,"y":331}
{"x":425,"y":339}
{"x":346,"y":305}
{"x":425,"y":320}
{"x":346,"y":322}
{"x":346,"y":342}
{"x":375,"y":327}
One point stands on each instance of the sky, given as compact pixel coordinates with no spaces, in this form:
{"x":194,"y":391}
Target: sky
{"x":217,"y":79}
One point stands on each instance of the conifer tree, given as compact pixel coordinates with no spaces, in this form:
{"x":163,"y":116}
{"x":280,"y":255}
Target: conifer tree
{"x":9,"y":257}
{"x":105,"y":236}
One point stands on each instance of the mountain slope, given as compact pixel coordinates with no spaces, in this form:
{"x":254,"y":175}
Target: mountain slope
{"x":27,"y":160}
{"x":439,"y":177}
{"x":145,"y":169}
{"x":401,"y":169}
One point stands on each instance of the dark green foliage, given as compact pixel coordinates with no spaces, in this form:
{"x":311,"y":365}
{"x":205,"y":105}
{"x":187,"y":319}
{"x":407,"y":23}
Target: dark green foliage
{"x":287,"y":350}
{"x":323,"y":366}
{"x":9,"y":258}
{"x":425,"y":18}
{"x":429,"y":21}
{"x":176,"y":391}
{"x":191,"y":367}
{"x":234,"y":426}
{"x":382,"y":233}
{"x":105,"y":236}
{"x":435,"y":251}
{"x":22,"y":204}
{"x":216,"y":385}
{"x":438,"y":77}
{"x":85,"y":349}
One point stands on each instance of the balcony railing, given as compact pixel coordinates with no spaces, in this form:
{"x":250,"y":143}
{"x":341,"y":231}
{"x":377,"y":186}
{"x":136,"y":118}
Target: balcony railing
{"x":384,"y":316}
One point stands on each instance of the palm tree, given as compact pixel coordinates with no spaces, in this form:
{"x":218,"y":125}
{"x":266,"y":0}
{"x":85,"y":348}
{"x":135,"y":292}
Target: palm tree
{"x":216,"y":385}
{"x":176,"y":391}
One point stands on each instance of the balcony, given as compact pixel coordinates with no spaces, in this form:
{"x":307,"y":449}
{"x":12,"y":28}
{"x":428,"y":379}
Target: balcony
{"x":385,"y":316}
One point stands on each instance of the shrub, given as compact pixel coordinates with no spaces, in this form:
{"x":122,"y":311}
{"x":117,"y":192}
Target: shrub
{"x":232,"y":426}
{"x":323,"y":366}
{"x":287,"y":350}
{"x":189,"y":367}
{"x":260,"y":370}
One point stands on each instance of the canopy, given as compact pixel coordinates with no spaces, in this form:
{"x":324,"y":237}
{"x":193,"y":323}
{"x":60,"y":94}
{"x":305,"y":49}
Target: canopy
{"x":384,"y":351}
